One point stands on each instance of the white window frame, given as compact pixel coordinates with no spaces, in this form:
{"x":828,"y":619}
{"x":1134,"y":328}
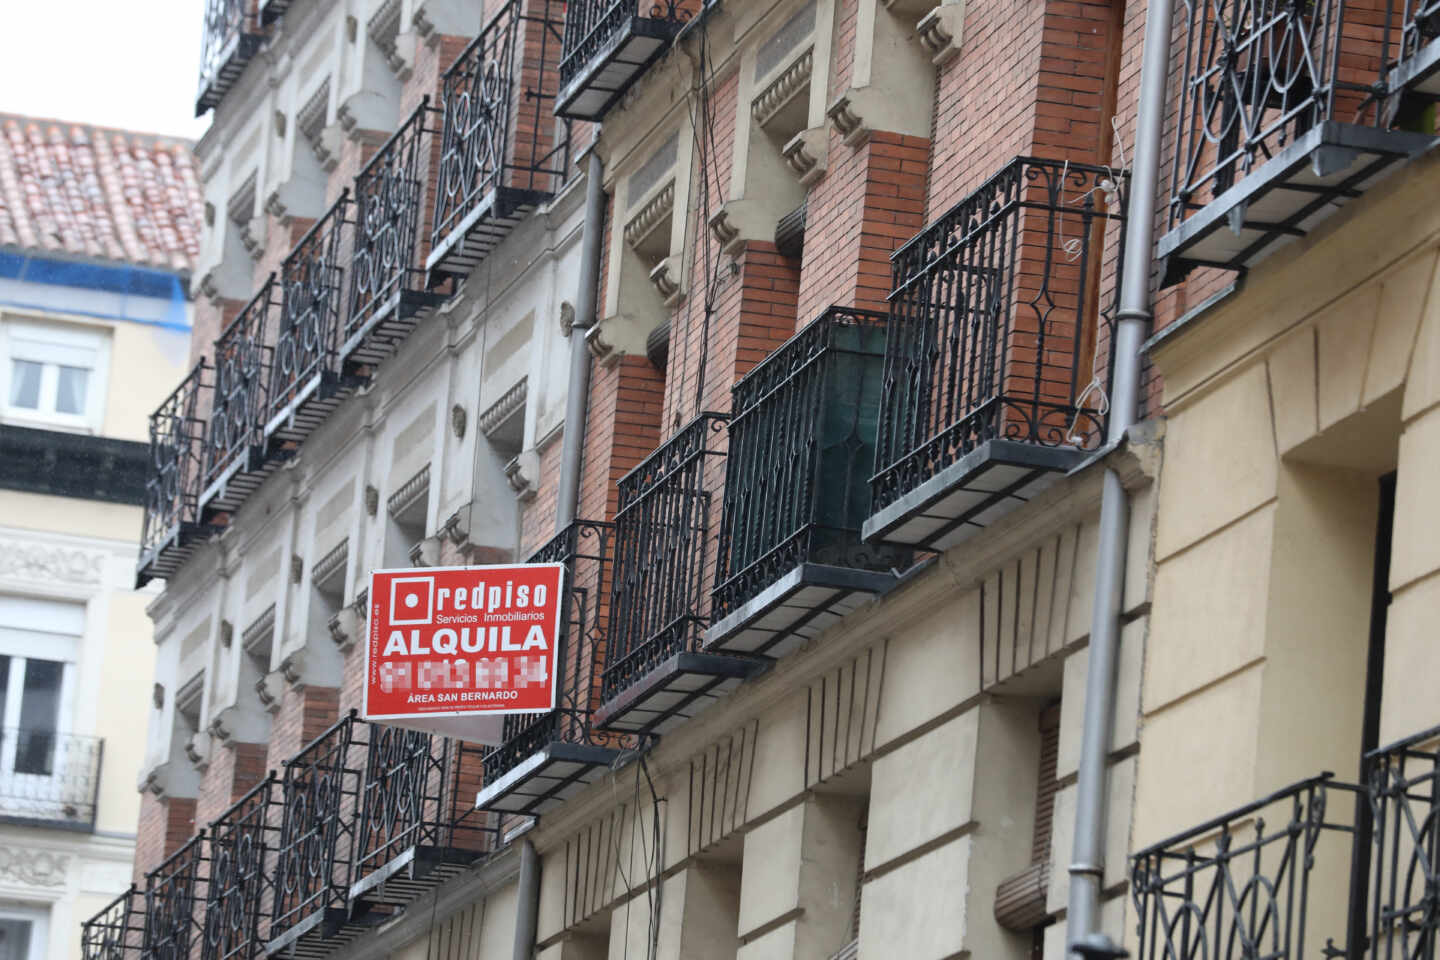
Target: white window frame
{"x":39,"y":918}
{"x":59,"y":338}
{"x":37,"y":629}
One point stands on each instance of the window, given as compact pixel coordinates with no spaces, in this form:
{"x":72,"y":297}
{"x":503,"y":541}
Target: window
{"x":38,"y":647}
{"x":22,"y":933}
{"x":53,"y":374}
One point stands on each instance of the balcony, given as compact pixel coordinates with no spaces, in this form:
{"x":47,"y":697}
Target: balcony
{"x":173,"y":892}
{"x":655,"y":673}
{"x":1281,"y":120}
{"x":1319,"y":868}
{"x":546,"y":759}
{"x":238,"y":895}
{"x":116,"y":931}
{"x":802,"y":447}
{"x":388,"y":292}
{"x":234,"y":442}
{"x":994,"y":314}
{"x":231,"y":38}
{"x":1417,"y":66}
{"x":417,"y":826}
{"x":305,"y":384}
{"x":172,"y":524}
{"x":503,"y":151}
{"x":608,"y":44}
{"x":49,"y":779}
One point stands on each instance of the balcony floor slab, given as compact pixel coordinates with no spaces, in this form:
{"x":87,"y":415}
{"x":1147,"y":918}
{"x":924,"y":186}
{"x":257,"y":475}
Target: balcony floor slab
{"x":546,"y":779}
{"x":680,"y":688}
{"x":969,"y":495}
{"x":482,"y":229}
{"x":414,"y":872}
{"x":795,"y":608}
{"x":1420,"y":73}
{"x":1286,"y":197}
{"x":636,"y":44}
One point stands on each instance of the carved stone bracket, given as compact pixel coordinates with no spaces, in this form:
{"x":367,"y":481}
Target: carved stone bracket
{"x":806,"y":154}
{"x":725,"y":232}
{"x":667,"y":280}
{"x":197,"y":750}
{"x":848,"y":121}
{"x":269,"y":689}
{"x":346,"y":627}
{"x":425,"y":552}
{"x":523,"y":472}
{"x":940,"y":32}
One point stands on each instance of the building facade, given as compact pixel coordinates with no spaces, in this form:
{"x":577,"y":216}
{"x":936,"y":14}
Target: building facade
{"x":98,"y":230}
{"x":921,"y":605}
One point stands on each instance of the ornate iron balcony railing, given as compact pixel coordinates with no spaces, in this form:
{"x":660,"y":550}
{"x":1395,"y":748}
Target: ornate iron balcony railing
{"x":1404,"y":892}
{"x":387,"y":277}
{"x":116,"y":932}
{"x":660,"y":603}
{"x":304,"y":362}
{"x":802,"y":448}
{"x":1417,"y":47}
{"x":319,"y":800}
{"x":583,"y":547}
{"x":608,"y":44}
{"x":1256,"y":76}
{"x":49,"y":777}
{"x":503,"y":151}
{"x":231,"y":37}
{"x":1241,"y":885}
{"x":174,"y":894}
{"x":238,"y":895}
{"x":993,"y":319}
{"x":173,"y":476}
{"x":233,"y":439}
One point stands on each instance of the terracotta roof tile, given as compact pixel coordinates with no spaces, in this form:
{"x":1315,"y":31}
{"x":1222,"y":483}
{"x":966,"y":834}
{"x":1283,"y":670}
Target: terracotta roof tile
{"x":98,"y":193}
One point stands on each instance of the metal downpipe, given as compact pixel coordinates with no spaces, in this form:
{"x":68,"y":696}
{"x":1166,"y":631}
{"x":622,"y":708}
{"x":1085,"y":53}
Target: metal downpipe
{"x":577,"y":394}
{"x":527,"y":901}
{"x":1087,"y":867}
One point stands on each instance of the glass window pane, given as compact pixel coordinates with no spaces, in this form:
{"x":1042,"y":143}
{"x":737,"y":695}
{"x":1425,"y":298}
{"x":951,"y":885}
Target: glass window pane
{"x":4,"y":688}
{"x":39,"y":717}
{"x":14,"y":938}
{"x":70,"y":396}
{"x":25,"y":384}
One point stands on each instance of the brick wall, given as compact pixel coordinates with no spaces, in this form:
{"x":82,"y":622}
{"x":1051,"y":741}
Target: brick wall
{"x":234,"y":768}
{"x":303,"y":715}
{"x":164,"y":825}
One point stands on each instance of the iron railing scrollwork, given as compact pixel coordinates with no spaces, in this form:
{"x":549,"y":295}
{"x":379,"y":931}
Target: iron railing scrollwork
{"x":238,"y":893}
{"x":116,"y":932}
{"x":229,"y":39}
{"x":1404,"y":892}
{"x":499,"y":132}
{"x":319,"y":799}
{"x":802,"y":446}
{"x":583,"y":547}
{"x":172,"y":484}
{"x":1419,"y":27}
{"x":994,"y":310}
{"x":659,"y":605}
{"x":308,"y":331}
{"x":242,"y":368}
{"x":591,"y":26}
{"x":389,"y":206}
{"x":1257,"y":74}
{"x":174,"y":892}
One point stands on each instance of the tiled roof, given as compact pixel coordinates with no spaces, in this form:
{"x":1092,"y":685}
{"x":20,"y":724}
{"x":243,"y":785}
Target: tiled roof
{"x":92,"y":192}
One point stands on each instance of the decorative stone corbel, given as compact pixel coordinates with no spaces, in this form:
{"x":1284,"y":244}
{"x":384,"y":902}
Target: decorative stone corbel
{"x":850,"y":124}
{"x":616,"y":336}
{"x":600,"y":348}
{"x":292,"y":668}
{"x":197,"y":750}
{"x":457,"y":528}
{"x":297,"y":569}
{"x":372,"y":500}
{"x":523,"y":472}
{"x":567,"y":318}
{"x":806,"y":154}
{"x":458,"y":421}
{"x":252,"y":236}
{"x":208,"y":288}
{"x":425,"y":553}
{"x":346,"y":628}
{"x":725,"y":232}
{"x":227,"y":633}
{"x":157,"y":695}
{"x":269,"y":688}
{"x":940,"y":32}
{"x":666,"y":278}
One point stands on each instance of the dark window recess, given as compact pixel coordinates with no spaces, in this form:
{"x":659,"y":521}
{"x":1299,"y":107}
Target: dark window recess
{"x":1020,"y":899}
{"x":72,"y":465}
{"x":790,"y":233}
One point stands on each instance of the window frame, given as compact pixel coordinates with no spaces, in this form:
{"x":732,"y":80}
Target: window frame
{"x":39,"y":919}
{"x":62,"y":336}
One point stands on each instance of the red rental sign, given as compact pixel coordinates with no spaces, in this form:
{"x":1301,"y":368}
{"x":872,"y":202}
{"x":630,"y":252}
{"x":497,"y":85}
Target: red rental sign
{"x":457,"y":642}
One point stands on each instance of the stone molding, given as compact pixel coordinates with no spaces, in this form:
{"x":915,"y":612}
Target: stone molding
{"x":940,"y":32}
{"x":649,"y":216}
{"x":33,"y":868}
{"x":49,"y":563}
{"x":792,"y":81}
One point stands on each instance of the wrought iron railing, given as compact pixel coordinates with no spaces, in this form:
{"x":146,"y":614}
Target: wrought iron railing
{"x":319,"y":800}
{"x":174,"y":894}
{"x":49,"y":776}
{"x":389,"y":206}
{"x":592,"y":26}
{"x":1419,"y":27}
{"x":115,"y":933}
{"x":311,"y":303}
{"x":1252,"y":883}
{"x":659,"y":605}
{"x":499,"y":129}
{"x":583,"y":547}
{"x":242,"y":369}
{"x":238,"y":895}
{"x":172,"y":483}
{"x":1255,"y":76}
{"x":802,"y":447}
{"x":1404,"y":893}
{"x":994,"y":313}
{"x":231,"y":37}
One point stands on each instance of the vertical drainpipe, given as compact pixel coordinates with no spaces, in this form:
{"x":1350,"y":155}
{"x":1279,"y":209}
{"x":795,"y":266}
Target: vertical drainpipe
{"x":527,"y":909}
{"x":1087,"y":867}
